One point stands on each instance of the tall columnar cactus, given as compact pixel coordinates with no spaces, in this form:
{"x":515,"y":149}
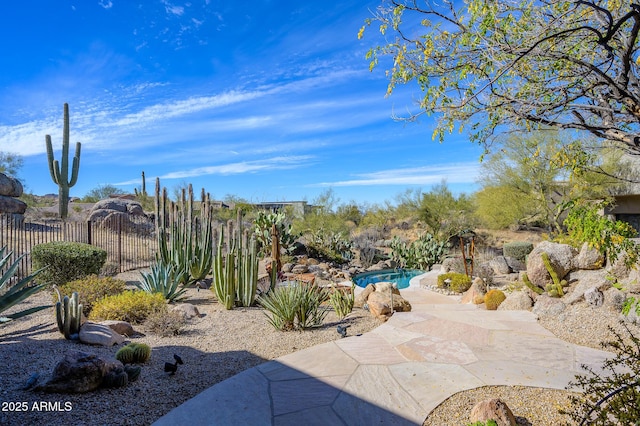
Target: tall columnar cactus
{"x":69,"y":316}
{"x":60,"y":171}
{"x":184,"y":238}
{"x":555,"y":288}
{"x":235,"y":270}
{"x":143,"y":190}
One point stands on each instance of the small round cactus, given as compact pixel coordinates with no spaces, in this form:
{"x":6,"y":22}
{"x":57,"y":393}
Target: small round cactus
{"x":493,"y":299}
{"x":134,"y":353}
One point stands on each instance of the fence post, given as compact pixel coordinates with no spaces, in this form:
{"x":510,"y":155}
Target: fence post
{"x":120,"y":219}
{"x":89,"y":232}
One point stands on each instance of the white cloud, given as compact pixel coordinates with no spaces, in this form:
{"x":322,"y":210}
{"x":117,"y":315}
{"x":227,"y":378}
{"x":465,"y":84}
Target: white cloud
{"x":106,"y":4}
{"x":428,"y":175}
{"x":242,"y":167}
{"x":173,"y":9}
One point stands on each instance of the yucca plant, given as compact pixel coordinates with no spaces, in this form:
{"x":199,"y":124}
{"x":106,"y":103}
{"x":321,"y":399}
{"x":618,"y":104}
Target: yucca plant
{"x":295,"y":306}
{"x":163,"y":279}
{"x":341,"y":302}
{"x":10,"y":297}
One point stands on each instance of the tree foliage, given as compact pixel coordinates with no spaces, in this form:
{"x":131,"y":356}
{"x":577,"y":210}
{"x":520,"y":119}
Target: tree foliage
{"x":10,"y":163}
{"x":566,"y":64}
{"x":445,"y":214}
{"x":101,"y":192}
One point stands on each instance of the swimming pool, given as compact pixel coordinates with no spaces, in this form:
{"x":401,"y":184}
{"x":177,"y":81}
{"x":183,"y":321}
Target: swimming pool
{"x":399,"y":276}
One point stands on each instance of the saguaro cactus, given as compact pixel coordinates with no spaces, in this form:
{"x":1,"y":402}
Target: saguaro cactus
{"x":60,"y":171}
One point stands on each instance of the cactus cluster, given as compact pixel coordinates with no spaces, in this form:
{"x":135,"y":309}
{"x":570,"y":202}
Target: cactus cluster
{"x":69,"y":316}
{"x":60,"y":171}
{"x":185,"y":239}
{"x":121,"y":376}
{"x":235,"y":267}
{"x":493,"y":299}
{"x":554,"y":288}
{"x":134,"y":353}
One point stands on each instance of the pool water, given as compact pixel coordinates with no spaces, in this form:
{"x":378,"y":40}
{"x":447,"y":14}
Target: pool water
{"x":399,"y":276}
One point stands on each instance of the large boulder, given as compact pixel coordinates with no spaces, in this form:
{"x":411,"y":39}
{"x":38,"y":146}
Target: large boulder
{"x":546,"y":306}
{"x":12,"y":205}
{"x":9,"y":186}
{"x":114,"y":213}
{"x":589,"y":258}
{"x":478,"y":289}
{"x":560,"y":257}
{"x":499,"y":265}
{"x":383,"y":299}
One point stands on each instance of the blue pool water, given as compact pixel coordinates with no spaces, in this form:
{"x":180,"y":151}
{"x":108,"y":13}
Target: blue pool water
{"x":399,"y":276}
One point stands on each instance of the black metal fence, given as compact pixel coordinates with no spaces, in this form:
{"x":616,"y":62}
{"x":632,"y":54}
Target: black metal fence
{"x":130,"y":243}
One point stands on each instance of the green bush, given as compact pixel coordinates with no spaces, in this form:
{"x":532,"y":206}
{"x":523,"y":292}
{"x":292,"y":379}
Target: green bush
{"x":493,"y":299}
{"x":341,"y":302}
{"x":459,"y":282}
{"x":67,"y":261}
{"x":517,"y":249}
{"x":90,"y":289}
{"x":130,"y":306}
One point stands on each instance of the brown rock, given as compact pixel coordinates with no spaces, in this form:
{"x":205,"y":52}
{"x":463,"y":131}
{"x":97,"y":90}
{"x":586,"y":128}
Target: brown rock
{"x":79,"y":372}
{"x":493,"y":409}
{"x":380,"y":310}
{"x":517,"y":301}
{"x":561,"y":259}
{"x":477,"y":289}
{"x":589,"y":258}
{"x":400,"y":304}
{"x":120,"y":327}
{"x":361,"y":298}
{"x":187,"y":310}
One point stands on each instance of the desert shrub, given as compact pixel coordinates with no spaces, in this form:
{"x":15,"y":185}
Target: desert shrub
{"x":262,"y":227}
{"x":165,"y":323}
{"x":584,"y":223}
{"x":422,"y":253}
{"x":90,"y":289}
{"x":295,"y":306}
{"x":493,"y":299}
{"x":517,"y":249}
{"x":612,"y":394}
{"x":329,"y":245}
{"x":341,"y":302}
{"x":458,"y":282}
{"x":130,"y":306}
{"x":67,"y":261}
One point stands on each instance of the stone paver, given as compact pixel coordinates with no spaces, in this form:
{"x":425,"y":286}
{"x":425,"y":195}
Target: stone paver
{"x":396,"y":374}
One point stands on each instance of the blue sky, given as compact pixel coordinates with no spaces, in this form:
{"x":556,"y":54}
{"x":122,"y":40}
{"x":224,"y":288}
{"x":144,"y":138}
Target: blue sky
{"x":265,"y":100}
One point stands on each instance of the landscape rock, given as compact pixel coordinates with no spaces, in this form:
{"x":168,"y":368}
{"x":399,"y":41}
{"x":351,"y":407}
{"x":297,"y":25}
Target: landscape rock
{"x":92,"y":333}
{"x":79,"y":372}
{"x":594,"y":297}
{"x":560,"y":257}
{"x":361,"y":298}
{"x":121,"y":327}
{"x":452,"y":264}
{"x":589,"y":258}
{"x":10,"y":186}
{"x":381,"y":311}
{"x":631,"y":283}
{"x":499,"y":265}
{"x":187,"y":310}
{"x":493,"y":409}
{"x":619,"y":268}
{"x":115,"y":212}
{"x":478,"y":289}
{"x":585,"y":280}
{"x":548,"y":306}
{"x":516,"y":265}
{"x":400,"y":304}
{"x":300,"y":269}
{"x":12,"y":205}
{"x":517,"y":301}
{"x":614,"y":299}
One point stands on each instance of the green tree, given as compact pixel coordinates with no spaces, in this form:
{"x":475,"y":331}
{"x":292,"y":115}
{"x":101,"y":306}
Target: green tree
{"x":560,"y":63}
{"x":445,"y":214}
{"x":498,"y":207}
{"x":541,"y":172}
{"x":10,"y":163}
{"x":101,"y":192}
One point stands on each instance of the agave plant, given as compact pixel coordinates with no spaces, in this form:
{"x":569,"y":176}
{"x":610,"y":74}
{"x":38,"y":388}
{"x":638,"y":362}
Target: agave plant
{"x":163,"y":279}
{"x":18,"y":292}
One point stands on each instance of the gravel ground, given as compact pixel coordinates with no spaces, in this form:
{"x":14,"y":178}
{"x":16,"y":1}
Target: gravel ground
{"x":221,"y":344}
{"x":214,"y":347}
